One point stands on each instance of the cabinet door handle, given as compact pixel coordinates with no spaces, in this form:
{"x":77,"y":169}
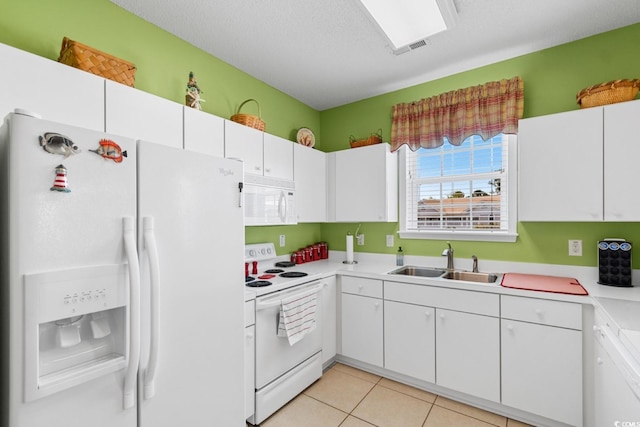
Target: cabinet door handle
{"x":442,"y":316}
{"x":599,"y":361}
{"x":360,"y":287}
{"x":267,"y":170}
{"x":510,"y":328}
{"x":427,"y":314}
{"x":538,"y":312}
{"x":376,"y":305}
{"x":249,"y":336}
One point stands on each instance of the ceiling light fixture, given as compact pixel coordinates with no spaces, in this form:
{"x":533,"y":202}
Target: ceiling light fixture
{"x":408,"y":23}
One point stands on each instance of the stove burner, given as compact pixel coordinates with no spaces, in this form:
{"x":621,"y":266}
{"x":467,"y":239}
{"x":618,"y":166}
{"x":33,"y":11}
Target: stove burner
{"x":274,"y":271}
{"x":285,"y":264}
{"x":249,"y":279}
{"x":258,"y":283}
{"x":293,"y":274}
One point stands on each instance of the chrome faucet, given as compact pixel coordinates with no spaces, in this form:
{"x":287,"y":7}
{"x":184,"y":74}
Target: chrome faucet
{"x":449,"y":254}
{"x":475,"y":264}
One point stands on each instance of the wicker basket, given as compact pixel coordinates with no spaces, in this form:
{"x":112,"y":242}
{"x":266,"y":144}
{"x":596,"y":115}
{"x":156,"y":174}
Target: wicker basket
{"x":608,"y":93}
{"x":375,"y":138}
{"x":93,"y":61}
{"x":248,"y":119}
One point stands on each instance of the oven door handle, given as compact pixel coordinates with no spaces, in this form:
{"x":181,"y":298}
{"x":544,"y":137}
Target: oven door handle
{"x":268,"y":303}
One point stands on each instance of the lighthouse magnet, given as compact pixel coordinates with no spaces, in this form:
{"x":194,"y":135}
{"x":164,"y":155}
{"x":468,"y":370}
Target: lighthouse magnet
{"x":60,"y":183}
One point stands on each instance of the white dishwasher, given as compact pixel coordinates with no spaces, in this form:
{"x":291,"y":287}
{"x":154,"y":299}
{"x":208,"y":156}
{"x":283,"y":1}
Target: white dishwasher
{"x":617,"y":363}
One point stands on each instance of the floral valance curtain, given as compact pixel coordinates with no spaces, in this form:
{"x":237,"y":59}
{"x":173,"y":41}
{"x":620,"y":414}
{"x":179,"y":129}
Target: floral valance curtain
{"x":485,"y":110}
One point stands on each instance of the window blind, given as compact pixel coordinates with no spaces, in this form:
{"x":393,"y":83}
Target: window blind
{"x":458,"y":187}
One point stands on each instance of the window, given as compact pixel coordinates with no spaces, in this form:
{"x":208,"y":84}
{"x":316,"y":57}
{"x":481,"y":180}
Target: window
{"x":464,"y":192}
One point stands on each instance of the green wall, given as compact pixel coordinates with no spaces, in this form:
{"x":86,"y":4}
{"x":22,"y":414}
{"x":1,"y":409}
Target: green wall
{"x":552,"y":78}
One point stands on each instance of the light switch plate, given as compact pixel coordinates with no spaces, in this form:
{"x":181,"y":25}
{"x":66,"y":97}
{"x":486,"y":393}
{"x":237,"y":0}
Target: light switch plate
{"x":282,"y":240}
{"x":390,"y":242}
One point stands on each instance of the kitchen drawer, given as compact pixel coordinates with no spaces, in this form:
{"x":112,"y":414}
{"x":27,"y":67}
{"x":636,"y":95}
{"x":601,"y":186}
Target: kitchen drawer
{"x":451,"y":299}
{"x":361,"y":286}
{"x":543,"y":312}
{"x":249,"y":313}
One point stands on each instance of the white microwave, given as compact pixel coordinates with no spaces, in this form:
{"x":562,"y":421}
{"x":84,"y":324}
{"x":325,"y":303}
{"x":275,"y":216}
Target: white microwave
{"x":269,"y":201}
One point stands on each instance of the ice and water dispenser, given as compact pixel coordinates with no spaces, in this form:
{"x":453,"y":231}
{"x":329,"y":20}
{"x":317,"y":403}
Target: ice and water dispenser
{"x":75,"y":327}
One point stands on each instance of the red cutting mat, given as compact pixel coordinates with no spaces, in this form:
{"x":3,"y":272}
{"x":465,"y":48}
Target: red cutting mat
{"x":535,"y":282}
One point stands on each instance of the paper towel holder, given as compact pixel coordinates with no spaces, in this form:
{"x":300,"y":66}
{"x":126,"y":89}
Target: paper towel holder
{"x":349,"y":249}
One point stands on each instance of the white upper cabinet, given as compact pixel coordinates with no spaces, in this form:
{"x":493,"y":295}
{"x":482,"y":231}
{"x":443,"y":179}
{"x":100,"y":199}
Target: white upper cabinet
{"x":278,"y":157}
{"x":203,"y":132}
{"x":310,"y":176}
{"x":243,"y":142}
{"x":578,"y":165}
{"x":263,"y":154}
{"x":141,"y":115}
{"x":621,"y":171}
{"x":56,"y":91}
{"x":363,"y":184}
{"x":560,"y":166}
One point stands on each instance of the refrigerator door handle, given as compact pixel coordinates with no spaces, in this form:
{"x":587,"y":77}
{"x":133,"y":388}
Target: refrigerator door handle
{"x":154,"y":266}
{"x":129,"y":395}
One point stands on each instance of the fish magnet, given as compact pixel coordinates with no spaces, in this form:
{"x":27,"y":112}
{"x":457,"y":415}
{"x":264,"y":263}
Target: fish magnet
{"x":60,"y":183}
{"x":110,"y":150}
{"x":56,"y":143}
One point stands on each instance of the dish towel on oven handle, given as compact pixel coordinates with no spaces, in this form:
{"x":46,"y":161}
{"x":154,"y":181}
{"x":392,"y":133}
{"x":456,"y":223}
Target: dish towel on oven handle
{"x":297,"y":317}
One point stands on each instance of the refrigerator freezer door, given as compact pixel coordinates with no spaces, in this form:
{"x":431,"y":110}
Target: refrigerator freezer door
{"x":197,"y":225}
{"x":47,"y":231}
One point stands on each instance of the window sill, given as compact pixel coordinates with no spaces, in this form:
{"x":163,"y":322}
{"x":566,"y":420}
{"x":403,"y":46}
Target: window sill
{"x":476,"y":236}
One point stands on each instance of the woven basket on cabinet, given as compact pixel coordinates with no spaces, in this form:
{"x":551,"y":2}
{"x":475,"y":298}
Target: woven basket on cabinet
{"x":248,"y":119}
{"x":96,"y":62}
{"x":608,"y":93}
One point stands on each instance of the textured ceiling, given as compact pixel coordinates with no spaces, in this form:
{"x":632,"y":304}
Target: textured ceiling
{"x":327,"y":53}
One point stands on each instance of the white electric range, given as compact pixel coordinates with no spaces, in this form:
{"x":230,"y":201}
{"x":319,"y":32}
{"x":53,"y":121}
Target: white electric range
{"x":282,"y":370}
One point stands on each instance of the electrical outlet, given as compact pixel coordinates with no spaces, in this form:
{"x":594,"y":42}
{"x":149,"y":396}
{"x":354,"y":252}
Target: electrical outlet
{"x":390,"y":243}
{"x":360,"y":239}
{"x":282,"y":240}
{"x":575,"y":247}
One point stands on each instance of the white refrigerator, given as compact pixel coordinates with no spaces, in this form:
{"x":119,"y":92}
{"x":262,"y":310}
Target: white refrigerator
{"x":122,"y":288}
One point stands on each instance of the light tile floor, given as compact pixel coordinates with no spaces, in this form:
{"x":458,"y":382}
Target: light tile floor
{"x":349,"y":397}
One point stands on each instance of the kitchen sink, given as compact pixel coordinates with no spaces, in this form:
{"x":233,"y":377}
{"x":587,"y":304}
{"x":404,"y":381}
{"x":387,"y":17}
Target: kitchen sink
{"x":419,"y":271}
{"x":469,"y":276}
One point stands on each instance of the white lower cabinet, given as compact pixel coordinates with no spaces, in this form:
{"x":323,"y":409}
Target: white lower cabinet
{"x":329,"y":316}
{"x":409,"y":340}
{"x":362,"y":316}
{"x":542,"y":358}
{"x":468,"y":353}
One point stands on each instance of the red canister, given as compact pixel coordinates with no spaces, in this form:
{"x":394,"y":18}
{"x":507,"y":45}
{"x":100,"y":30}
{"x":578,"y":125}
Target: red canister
{"x":312,"y":253}
{"x":324,"y":250}
{"x":307,"y":255}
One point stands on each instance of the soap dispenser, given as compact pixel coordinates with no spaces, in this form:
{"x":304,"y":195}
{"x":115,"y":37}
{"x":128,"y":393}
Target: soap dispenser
{"x":400,"y":257}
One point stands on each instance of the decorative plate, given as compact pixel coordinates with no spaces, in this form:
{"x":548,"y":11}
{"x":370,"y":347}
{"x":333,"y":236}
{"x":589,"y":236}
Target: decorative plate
{"x":305,"y":137}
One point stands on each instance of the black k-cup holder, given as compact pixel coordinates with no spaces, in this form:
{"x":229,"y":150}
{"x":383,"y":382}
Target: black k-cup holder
{"x":614,"y":263}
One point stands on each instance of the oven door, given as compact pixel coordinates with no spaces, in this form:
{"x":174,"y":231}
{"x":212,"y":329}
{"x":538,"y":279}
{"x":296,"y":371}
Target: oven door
{"x":274,"y":355}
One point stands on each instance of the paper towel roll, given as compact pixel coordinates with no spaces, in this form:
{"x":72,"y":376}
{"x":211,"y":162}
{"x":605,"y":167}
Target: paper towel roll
{"x":349,"y":249}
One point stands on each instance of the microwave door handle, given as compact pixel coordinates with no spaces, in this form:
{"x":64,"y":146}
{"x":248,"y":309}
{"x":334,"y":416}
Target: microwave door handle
{"x":282,"y":206}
